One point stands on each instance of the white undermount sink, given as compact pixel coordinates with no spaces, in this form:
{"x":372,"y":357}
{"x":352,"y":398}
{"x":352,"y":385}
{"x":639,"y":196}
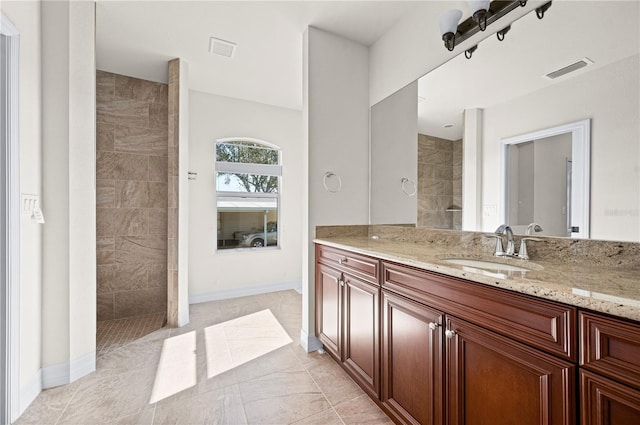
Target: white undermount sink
{"x":484,"y":264}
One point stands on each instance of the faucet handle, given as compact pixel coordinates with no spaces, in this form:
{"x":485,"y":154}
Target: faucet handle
{"x":522,"y":252}
{"x":499,"y":250}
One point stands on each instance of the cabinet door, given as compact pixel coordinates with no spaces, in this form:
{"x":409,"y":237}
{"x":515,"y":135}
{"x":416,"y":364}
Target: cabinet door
{"x":361,"y":336}
{"x":606,"y":402}
{"x":329,"y":309}
{"x":493,"y":380}
{"x":412,"y":368}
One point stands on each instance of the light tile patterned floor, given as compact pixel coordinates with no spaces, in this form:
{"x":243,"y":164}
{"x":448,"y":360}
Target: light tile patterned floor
{"x":112,"y":334}
{"x":231,"y":365}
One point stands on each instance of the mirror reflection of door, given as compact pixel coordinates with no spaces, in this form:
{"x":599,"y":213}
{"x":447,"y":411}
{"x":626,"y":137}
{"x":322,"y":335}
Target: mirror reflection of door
{"x":540,"y":184}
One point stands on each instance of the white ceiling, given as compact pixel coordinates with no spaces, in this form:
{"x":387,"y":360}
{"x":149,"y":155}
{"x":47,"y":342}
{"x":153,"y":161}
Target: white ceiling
{"x":137,"y":38}
{"x":603,"y":31}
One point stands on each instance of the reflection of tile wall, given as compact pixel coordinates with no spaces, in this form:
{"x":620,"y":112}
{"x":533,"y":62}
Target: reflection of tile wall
{"x":131,"y":180}
{"x":174,"y":156}
{"x":439,"y":182}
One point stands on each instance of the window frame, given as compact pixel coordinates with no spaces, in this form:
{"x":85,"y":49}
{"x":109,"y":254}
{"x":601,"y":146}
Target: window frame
{"x":249,"y":168}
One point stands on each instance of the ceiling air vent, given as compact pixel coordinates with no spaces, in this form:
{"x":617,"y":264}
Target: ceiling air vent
{"x":221,"y":47}
{"x":569,"y":68}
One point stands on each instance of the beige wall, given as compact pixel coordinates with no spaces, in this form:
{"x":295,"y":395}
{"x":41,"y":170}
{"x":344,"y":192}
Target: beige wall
{"x":25,"y":15}
{"x":131,"y":174}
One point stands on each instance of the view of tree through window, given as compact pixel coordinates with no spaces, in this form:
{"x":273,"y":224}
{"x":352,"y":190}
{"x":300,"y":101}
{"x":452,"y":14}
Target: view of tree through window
{"x":247,"y":184}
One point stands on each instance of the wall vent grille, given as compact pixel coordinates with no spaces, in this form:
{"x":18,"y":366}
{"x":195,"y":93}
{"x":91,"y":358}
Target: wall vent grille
{"x":582,"y":63}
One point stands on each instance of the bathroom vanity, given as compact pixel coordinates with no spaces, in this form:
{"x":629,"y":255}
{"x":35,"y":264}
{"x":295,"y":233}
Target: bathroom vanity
{"x":438,"y":343}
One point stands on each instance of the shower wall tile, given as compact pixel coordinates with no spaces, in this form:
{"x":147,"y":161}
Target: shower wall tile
{"x":158,"y":117}
{"x":157,"y":273}
{"x":140,"y":302}
{"x":158,"y":168}
{"x":105,"y":193}
{"x":105,"y":307}
{"x":119,"y":111}
{"x":105,"y":162}
{"x":105,"y":136}
{"x":158,"y":221}
{"x":105,"y":250}
{"x":141,"y":140}
{"x":141,"y":249}
{"x":131,"y":167}
{"x":131,"y":199}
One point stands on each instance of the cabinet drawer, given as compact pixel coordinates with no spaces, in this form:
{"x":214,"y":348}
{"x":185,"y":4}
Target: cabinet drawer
{"x":610,"y":347}
{"x":546,"y":325}
{"x":360,"y":265}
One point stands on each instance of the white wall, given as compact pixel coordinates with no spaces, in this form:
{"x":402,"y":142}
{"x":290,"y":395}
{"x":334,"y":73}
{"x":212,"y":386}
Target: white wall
{"x":25,"y":15}
{"x":394,"y":156}
{"x":336,"y":139}
{"x":214,"y":274}
{"x":68,"y":140}
{"x":609,"y":97}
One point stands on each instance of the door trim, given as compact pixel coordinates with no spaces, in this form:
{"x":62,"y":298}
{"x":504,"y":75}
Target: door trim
{"x":10,"y":224}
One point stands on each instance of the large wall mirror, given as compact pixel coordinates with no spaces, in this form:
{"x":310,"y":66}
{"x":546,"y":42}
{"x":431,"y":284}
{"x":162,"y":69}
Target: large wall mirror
{"x":467,"y":109}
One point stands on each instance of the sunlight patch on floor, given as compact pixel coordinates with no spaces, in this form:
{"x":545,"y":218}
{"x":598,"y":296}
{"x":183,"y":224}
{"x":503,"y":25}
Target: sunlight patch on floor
{"x":177,"y":367}
{"x":238,"y":341}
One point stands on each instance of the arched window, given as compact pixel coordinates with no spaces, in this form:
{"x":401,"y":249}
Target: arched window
{"x":248,"y":175}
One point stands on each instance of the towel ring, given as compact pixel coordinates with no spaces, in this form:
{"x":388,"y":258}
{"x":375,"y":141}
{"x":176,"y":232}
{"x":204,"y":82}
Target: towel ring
{"x":404,"y":186}
{"x":327,"y":176}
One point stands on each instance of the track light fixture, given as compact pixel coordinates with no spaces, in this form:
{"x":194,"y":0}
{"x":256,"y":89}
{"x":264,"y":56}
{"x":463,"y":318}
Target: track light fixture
{"x":483,"y":13}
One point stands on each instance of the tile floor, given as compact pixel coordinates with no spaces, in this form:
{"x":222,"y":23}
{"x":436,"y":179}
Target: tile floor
{"x":237,"y":362}
{"x":112,"y":334}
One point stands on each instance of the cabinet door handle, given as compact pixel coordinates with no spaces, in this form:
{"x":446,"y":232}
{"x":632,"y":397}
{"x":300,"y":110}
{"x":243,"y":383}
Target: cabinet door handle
{"x":341,"y":282}
{"x":449,"y":333}
{"x":342,"y":260}
{"x":433,"y":326}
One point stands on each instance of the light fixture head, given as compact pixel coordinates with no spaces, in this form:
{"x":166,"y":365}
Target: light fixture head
{"x":449,"y":27}
{"x":540,"y":10}
{"x":469,"y":52}
{"x":480,"y":12}
{"x":500,"y":34}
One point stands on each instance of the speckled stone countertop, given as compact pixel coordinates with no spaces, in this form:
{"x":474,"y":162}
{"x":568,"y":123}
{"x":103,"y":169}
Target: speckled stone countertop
{"x":608,"y":286}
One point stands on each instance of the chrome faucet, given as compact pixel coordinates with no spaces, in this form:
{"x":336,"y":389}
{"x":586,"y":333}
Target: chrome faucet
{"x":499,"y":250}
{"x":523,"y":253}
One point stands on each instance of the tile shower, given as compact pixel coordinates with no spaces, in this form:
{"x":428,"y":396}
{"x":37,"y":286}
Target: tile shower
{"x":131,"y":183}
{"x":439,"y":182}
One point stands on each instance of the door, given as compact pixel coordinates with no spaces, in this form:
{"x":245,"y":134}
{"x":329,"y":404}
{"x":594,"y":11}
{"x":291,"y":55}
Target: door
{"x":361,"y":336}
{"x":493,"y":380}
{"x":412,"y":374}
{"x":329,"y":309}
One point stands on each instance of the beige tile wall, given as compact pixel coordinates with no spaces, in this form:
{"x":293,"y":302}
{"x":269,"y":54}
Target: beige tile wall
{"x":131,"y":183}
{"x":439,"y":182}
{"x":174,"y":153}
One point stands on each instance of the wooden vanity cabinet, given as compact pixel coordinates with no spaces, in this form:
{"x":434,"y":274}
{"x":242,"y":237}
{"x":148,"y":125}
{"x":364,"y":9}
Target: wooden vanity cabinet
{"x":412,"y":361}
{"x":491,"y":379}
{"x":609,"y":370}
{"x":348,"y":314}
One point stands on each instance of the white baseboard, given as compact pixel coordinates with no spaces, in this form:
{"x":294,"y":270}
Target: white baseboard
{"x":309,"y":342}
{"x":224,"y":294}
{"x":30,"y":391}
{"x":65,"y":373}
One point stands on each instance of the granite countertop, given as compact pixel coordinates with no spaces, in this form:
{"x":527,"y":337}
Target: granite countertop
{"x":612,"y":290}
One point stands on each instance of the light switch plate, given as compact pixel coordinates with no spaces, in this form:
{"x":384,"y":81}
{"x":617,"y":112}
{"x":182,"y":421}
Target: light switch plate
{"x":28,"y":203}
{"x":489,"y":210}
